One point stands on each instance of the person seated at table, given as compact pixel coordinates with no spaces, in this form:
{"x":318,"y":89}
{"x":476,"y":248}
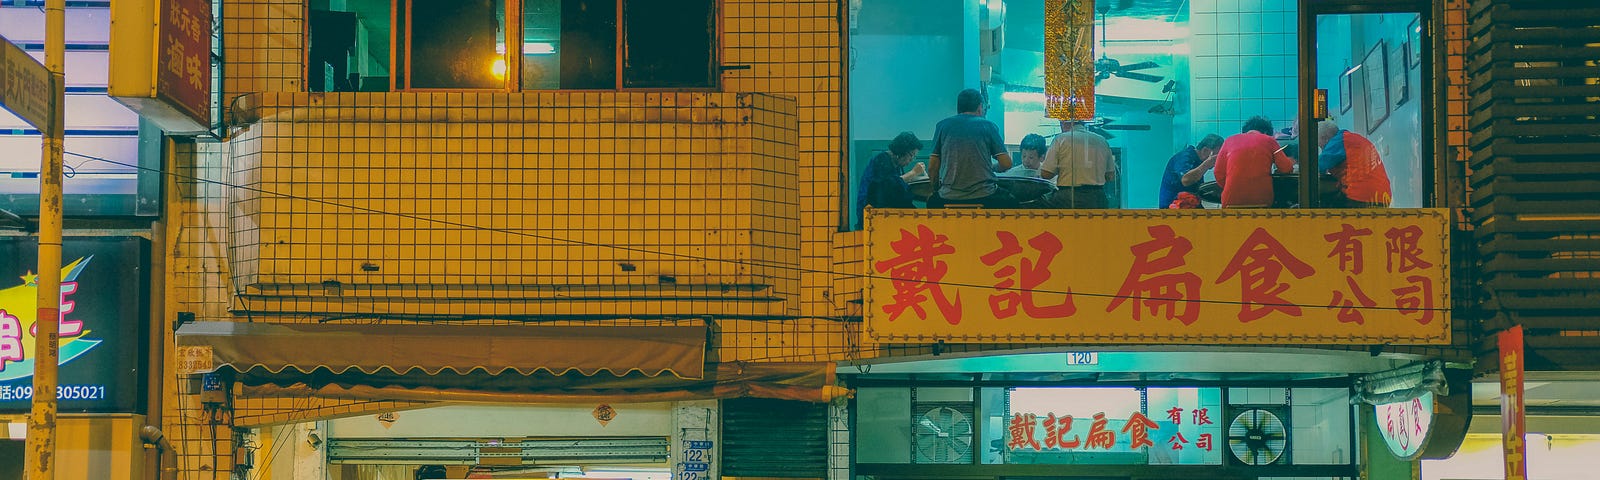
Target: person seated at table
{"x":1245,"y":162}
{"x":1033,"y":149}
{"x":1187,"y":168}
{"x":884,"y":185}
{"x":1354,"y":161}
{"x":964,"y":146}
{"x":1081,"y":163}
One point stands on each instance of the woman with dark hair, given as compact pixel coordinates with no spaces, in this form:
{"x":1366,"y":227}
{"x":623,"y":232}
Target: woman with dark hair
{"x":884,"y":183}
{"x":1245,"y":163}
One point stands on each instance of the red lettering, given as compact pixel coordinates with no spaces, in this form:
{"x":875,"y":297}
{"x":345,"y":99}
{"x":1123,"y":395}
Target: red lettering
{"x":1178,"y":441}
{"x":1204,"y":441}
{"x":1138,"y":430}
{"x":1348,"y":313}
{"x":1160,"y":291}
{"x":1403,"y":249}
{"x":917,"y":271}
{"x":1056,"y":430}
{"x":1176,"y":414}
{"x":1416,"y":300}
{"x":1259,"y":262}
{"x":1022,"y":427}
{"x":1348,"y":248}
{"x":1202,"y":416}
{"x":1099,"y":437}
{"x":1017,"y":283}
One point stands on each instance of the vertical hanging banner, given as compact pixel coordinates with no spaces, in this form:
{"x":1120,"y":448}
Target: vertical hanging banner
{"x":1069,"y":59}
{"x":161,"y":61}
{"x":1512,"y":427}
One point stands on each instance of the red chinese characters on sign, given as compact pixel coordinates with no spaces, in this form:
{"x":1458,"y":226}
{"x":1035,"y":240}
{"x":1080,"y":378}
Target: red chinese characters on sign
{"x":1202,"y":416}
{"x":1022,"y":428}
{"x":1018,"y":283}
{"x":916,"y":271}
{"x":1147,"y":280}
{"x":184,"y":52}
{"x":1138,"y":430}
{"x":1056,"y":430}
{"x":1099,"y":437}
{"x":1416,"y":298}
{"x":1259,"y":263}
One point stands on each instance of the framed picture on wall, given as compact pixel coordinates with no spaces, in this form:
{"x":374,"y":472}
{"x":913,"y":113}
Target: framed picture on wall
{"x":1347,"y":89}
{"x":1400,"y":78}
{"x":1375,"y":73}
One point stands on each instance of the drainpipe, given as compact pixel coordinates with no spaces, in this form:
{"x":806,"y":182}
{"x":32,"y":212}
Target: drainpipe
{"x":169,"y":456}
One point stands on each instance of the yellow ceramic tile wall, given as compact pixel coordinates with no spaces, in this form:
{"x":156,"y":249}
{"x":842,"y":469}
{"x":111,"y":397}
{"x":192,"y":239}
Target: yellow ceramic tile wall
{"x":523,"y":197}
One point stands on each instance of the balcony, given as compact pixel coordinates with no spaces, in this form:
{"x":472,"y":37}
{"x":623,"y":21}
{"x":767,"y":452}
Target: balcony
{"x":548,"y":203}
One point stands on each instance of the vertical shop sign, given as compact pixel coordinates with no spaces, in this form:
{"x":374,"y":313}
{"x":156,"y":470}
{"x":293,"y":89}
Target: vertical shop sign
{"x":1512,"y":427}
{"x":183,"y":57}
{"x":24,"y":85}
{"x":1069,"y":59}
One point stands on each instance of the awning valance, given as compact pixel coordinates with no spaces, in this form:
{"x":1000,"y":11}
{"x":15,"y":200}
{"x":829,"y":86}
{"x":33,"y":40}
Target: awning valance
{"x":271,"y":353}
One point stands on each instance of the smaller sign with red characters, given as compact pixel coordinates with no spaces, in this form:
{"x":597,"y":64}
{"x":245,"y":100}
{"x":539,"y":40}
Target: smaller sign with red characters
{"x":1405,"y":425}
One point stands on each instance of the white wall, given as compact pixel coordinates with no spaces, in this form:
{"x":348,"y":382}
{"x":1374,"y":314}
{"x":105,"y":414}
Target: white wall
{"x":1556,"y":457}
{"x":644,"y":419}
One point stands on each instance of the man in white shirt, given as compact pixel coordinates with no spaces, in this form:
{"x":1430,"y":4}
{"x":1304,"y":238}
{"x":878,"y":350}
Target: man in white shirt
{"x":1081,"y":163}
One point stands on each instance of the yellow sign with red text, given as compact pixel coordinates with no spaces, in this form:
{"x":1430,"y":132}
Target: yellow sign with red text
{"x":1158,"y":276}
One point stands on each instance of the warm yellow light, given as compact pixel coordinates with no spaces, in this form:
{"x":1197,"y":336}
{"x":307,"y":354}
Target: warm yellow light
{"x":498,"y":68}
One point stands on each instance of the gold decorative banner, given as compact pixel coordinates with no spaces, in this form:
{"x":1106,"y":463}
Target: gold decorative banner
{"x":1069,"y":59}
{"x":1151,"y":276}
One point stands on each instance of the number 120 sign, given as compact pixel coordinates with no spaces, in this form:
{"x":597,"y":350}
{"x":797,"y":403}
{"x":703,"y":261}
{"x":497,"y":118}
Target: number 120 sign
{"x":1132,"y":276}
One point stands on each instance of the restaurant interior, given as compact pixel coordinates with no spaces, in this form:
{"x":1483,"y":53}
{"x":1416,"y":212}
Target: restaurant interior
{"x":1168,"y":72}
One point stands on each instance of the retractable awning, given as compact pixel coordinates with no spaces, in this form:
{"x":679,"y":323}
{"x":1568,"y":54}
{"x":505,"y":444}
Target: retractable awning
{"x":268,"y":350}
{"x":493,"y":363}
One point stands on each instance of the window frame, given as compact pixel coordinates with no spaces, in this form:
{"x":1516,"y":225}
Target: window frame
{"x":401,"y":48}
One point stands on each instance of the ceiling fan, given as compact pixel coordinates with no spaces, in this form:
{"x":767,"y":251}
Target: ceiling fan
{"x":1102,"y":126}
{"x":1107,"y":67}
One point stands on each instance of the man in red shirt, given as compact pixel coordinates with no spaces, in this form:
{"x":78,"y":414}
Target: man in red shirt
{"x":1354,"y":161}
{"x":1244,"y":165}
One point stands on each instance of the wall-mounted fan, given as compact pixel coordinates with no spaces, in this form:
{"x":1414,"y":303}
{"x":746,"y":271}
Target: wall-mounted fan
{"x":1258,"y":436}
{"x":943,"y":434}
{"x":1102,"y":126}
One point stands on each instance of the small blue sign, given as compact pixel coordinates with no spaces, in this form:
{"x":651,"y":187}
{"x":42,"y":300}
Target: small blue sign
{"x":696,"y":466}
{"x":697,"y":445}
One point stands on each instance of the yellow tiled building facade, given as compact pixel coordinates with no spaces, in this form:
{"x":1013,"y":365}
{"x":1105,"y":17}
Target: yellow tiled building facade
{"x":609,"y":207}
{"x":614,"y":207}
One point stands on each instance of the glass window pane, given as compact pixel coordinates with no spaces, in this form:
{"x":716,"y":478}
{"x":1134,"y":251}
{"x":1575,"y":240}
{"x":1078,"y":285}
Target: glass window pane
{"x":582,"y":44}
{"x":883,"y":425}
{"x":454,"y":44}
{"x":1368,"y":64}
{"x":669,"y":44}
{"x":348,"y":49}
{"x":1320,"y":432}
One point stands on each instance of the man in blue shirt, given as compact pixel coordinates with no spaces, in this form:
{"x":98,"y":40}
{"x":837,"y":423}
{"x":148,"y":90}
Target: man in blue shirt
{"x":960,"y":163}
{"x":1185,"y":170}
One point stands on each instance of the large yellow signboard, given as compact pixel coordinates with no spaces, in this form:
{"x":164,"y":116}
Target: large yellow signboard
{"x":1157,"y":276}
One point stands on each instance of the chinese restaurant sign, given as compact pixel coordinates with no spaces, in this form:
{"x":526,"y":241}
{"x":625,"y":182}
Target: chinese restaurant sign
{"x":1235,"y":277}
{"x":102,"y":343}
{"x":162,"y":68}
{"x":1177,"y":430}
{"x":1405,"y":425}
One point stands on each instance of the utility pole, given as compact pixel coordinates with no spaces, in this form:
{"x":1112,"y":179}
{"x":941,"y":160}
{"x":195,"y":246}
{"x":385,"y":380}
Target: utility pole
{"x":41,"y":446}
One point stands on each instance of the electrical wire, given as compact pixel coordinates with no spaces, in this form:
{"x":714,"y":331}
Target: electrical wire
{"x":743,"y":262}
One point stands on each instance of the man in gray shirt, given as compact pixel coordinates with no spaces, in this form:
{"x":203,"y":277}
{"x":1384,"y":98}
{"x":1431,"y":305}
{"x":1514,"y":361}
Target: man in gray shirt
{"x":959,"y":163}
